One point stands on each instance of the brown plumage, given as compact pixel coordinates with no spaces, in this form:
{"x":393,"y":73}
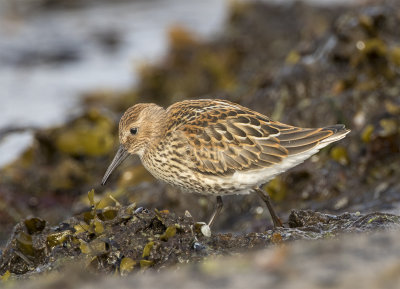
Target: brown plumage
{"x":215,"y":146}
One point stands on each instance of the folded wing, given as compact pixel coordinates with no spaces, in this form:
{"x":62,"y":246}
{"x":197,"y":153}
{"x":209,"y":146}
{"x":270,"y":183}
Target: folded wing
{"x":225,"y":138}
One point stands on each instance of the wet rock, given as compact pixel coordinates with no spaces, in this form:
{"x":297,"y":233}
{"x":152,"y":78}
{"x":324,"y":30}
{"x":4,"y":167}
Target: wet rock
{"x":156,"y":239}
{"x":336,"y":263}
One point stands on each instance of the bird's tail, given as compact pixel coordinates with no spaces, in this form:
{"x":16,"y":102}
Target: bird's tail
{"x":339,"y":131}
{"x":298,"y":140}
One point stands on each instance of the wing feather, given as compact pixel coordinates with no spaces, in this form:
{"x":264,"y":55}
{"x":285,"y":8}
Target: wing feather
{"x":224,"y":137}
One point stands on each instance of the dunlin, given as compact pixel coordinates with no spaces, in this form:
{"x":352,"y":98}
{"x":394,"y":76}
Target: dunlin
{"x":216,"y":147}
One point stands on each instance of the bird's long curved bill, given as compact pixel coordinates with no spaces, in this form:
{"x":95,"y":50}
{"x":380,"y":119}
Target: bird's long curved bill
{"x":120,"y":156}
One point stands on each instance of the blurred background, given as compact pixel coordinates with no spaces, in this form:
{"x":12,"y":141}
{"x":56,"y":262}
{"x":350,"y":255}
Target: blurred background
{"x":51,"y":52}
{"x":68,"y":70}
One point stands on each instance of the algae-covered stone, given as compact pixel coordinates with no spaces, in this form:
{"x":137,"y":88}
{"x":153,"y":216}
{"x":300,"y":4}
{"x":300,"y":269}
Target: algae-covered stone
{"x":34,"y":225}
{"x":67,"y":174}
{"x":395,"y":55}
{"x":91,"y":198}
{"x":367,"y":133}
{"x":146,"y":263}
{"x":392,"y":107}
{"x":169,"y":233}
{"x":98,"y":226}
{"x":127,"y":265}
{"x":91,"y":135}
{"x":339,"y":154}
{"x":293,"y":57}
{"x":108,"y":213}
{"x":389,"y":127}
{"x":81,"y":228}
{"x":24,"y":244}
{"x":5,"y":276}
{"x":58,"y":238}
{"x":95,"y":248}
{"x":147,"y":249}
{"x":130,"y":209}
{"x":84,"y":247}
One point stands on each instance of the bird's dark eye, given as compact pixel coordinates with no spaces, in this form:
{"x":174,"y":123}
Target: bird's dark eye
{"x":134,"y":130}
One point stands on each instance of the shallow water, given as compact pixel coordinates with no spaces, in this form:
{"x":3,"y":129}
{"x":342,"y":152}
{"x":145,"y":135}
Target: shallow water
{"x":49,"y":58}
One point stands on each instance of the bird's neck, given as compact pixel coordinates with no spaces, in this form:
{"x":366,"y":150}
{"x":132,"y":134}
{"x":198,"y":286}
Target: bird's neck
{"x":157,"y":131}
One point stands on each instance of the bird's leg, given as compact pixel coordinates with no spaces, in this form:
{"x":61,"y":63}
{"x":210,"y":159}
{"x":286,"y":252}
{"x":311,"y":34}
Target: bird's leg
{"x":217,"y":210}
{"x":265,"y":197}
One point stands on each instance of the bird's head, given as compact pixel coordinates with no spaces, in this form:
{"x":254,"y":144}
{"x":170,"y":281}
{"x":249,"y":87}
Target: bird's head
{"x":140,"y":125}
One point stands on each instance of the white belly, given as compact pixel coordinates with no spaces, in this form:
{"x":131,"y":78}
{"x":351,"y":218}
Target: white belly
{"x":243,"y":182}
